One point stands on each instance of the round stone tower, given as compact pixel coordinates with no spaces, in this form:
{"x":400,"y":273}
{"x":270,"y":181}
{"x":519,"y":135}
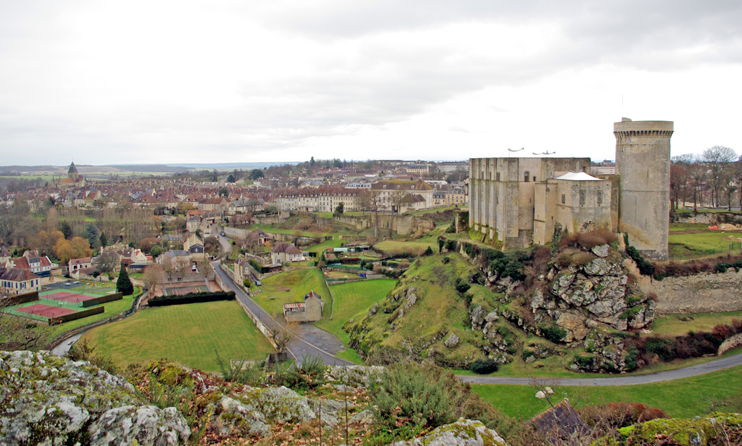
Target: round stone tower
{"x":643,"y":164}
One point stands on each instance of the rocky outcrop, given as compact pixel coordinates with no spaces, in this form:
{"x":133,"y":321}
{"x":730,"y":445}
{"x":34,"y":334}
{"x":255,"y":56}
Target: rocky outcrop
{"x":460,"y":433}
{"x":716,"y":428}
{"x":53,"y":400}
{"x":599,"y":292}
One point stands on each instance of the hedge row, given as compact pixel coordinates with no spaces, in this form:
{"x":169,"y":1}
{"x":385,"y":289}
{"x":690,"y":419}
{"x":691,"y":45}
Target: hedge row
{"x":102,"y":300}
{"x":190,"y":298}
{"x":75,"y":316}
{"x":21,"y":298}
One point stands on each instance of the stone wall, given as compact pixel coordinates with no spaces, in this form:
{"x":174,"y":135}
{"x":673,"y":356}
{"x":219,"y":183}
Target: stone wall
{"x":702,"y":293}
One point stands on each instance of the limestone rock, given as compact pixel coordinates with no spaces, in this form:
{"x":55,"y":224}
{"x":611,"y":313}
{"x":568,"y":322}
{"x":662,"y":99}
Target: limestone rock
{"x":598,"y":267}
{"x":52,"y":400}
{"x":373,"y":309}
{"x":461,"y":433}
{"x":492,"y":316}
{"x":574,"y":324}
{"x":411,"y":299}
{"x":600,"y":251}
{"x":476,"y":315}
{"x":452,"y":341}
{"x":148,"y":425}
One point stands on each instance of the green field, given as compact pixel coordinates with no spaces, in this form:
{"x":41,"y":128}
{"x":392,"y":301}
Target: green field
{"x":686,"y":397}
{"x":184,"y":333}
{"x":415,"y":247}
{"x":705,"y":243}
{"x":353,"y":300}
{"x":291,"y":287}
{"x":324,"y":245}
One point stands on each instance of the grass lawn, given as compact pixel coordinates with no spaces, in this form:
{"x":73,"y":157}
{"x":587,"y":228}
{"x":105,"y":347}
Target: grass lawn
{"x":690,"y":245}
{"x":686,"y":397}
{"x":689,"y":227}
{"x":298,"y":283}
{"x":415,"y":247}
{"x":184,"y":333}
{"x":672,"y":325}
{"x":324,"y":245}
{"x":351,"y":300}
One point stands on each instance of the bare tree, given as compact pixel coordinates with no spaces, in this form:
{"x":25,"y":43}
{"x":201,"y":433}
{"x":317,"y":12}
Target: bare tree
{"x":168,"y":265}
{"x":153,"y":274}
{"x":717,"y":159}
{"x":17,"y":333}
{"x":371,"y":200}
{"x":107,"y":261}
{"x":282,"y":335}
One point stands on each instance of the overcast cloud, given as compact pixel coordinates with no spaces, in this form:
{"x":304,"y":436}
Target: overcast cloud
{"x":150,"y":82}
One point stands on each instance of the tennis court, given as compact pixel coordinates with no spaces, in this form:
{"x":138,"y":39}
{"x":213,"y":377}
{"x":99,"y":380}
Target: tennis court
{"x":67,"y":297}
{"x":45,"y":311}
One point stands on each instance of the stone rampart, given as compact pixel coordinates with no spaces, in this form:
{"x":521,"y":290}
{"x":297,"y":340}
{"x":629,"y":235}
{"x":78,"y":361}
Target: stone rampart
{"x":702,"y":293}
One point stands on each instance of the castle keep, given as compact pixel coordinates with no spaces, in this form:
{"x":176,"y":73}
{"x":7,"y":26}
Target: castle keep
{"x":518,"y":202}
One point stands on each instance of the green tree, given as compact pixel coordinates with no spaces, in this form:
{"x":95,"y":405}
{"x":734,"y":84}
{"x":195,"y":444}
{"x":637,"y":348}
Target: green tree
{"x":223,"y":192}
{"x":255,"y":174}
{"x":230,"y":178}
{"x":92,"y":234}
{"x":66,"y":230}
{"x":340,"y":209}
{"x":123,"y":284}
{"x":103,"y":239}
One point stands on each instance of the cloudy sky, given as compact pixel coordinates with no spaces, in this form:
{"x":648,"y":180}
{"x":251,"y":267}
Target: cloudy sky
{"x":247,"y":81}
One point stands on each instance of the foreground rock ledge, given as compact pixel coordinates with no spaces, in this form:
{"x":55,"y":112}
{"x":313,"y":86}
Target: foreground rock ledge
{"x":460,"y":433}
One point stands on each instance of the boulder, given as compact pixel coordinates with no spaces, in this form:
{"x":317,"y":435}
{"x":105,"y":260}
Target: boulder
{"x":461,"y":433}
{"x":574,"y":324}
{"x":411,"y":299}
{"x":600,"y":250}
{"x":373,"y":309}
{"x":598,"y":267}
{"x":452,"y":341}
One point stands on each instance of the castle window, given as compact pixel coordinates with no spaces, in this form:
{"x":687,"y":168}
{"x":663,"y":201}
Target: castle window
{"x":526,"y":174}
{"x":498,"y":176}
{"x":534,"y":179}
{"x":564,"y":198}
{"x":600,"y":197}
{"x":582,"y":198}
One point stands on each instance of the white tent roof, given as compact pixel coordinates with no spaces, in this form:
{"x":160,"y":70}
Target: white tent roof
{"x":577,"y":176}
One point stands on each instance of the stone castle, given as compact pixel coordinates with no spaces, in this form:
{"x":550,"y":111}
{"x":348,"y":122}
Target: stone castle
{"x":518,"y":202}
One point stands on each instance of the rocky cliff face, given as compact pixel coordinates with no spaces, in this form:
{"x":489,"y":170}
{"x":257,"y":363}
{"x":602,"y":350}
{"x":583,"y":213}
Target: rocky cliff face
{"x":49,"y":400}
{"x":582,"y":303}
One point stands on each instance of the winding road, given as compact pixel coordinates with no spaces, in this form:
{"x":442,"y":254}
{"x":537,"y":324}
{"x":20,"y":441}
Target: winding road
{"x":309,"y":341}
{"x":700,"y":369}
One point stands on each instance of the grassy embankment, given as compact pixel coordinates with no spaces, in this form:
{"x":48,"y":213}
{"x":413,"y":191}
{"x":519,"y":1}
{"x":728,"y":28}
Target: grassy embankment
{"x":686,"y":397}
{"x":291,"y":287}
{"x":184,"y":333}
{"x":352,"y":301}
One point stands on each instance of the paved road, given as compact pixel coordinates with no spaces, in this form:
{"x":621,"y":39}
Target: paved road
{"x":308,"y":342}
{"x":700,"y":369}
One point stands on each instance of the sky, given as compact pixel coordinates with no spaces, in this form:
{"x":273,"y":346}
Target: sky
{"x":103,"y":82}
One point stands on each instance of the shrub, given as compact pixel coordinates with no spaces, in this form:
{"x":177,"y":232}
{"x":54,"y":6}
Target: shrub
{"x":564,"y":260}
{"x":583,"y":258}
{"x":247,"y":283}
{"x":123,"y":284}
{"x":618,"y":415}
{"x":484,"y":366}
{"x":413,"y":396}
{"x":462,"y":286}
{"x":645,"y":267}
{"x":428,"y":252}
{"x":554,"y":333}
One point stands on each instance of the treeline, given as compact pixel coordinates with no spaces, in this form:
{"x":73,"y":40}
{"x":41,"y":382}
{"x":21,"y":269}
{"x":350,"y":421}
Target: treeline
{"x":713,"y":179}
